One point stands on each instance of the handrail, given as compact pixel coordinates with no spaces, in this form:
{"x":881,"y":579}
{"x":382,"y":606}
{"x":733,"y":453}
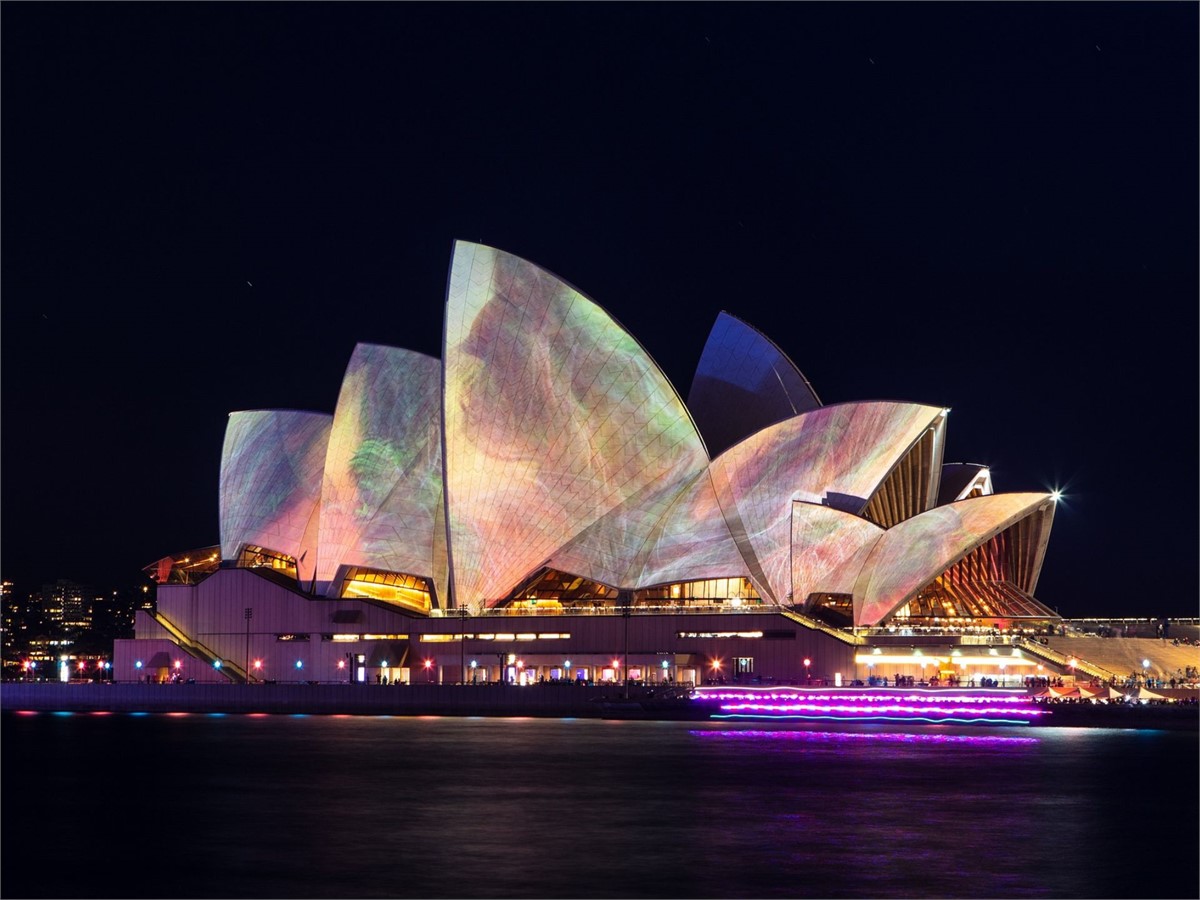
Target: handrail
{"x":567,"y":611}
{"x":1059,"y":659}
{"x":854,"y":640}
{"x":229,"y":668}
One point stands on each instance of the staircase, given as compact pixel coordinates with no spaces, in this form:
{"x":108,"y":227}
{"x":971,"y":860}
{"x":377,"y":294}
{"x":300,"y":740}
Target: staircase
{"x":228,"y":668}
{"x":1064,"y":662}
{"x":816,"y":625}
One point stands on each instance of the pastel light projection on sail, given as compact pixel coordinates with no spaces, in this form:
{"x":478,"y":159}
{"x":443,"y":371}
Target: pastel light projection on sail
{"x":911,"y":554}
{"x":554,"y":416}
{"x":271,"y":467}
{"x":829,"y":549}
{"x":382,"y":490}
{"x":613,"y":549}
{"x":744,"y":383}
{"x":693,"y":542}
{"x":834,"y":456}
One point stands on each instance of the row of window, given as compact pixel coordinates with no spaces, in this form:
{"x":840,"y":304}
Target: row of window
{"x":434,"y":638}
{"x":342,"y":638}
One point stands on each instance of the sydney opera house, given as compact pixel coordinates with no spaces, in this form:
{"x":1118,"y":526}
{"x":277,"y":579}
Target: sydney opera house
{"x":540,"y":504}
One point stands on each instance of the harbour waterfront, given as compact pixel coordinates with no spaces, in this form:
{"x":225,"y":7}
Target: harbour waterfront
{"x":587,"y":701}
{"x":363,"y":806}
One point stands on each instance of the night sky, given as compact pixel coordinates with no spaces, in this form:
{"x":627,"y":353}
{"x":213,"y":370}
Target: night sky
{"x":988,"y":207}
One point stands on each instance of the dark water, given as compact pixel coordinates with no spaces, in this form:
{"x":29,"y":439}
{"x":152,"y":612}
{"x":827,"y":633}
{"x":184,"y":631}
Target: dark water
{"x":296,"y":806}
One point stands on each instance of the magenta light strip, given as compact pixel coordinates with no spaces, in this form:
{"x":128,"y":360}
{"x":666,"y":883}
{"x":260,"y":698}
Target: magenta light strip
{"x":1018,"y":697}
{"x":877,"y":718}
{"x":855,"y":710}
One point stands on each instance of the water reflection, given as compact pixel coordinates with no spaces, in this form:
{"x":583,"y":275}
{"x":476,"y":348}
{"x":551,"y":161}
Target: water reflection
{"x":319,"y":806}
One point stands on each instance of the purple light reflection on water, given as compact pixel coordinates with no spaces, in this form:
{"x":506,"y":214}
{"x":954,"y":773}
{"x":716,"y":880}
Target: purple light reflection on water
{"x":873,"y":718}
{"x":938,"y":696}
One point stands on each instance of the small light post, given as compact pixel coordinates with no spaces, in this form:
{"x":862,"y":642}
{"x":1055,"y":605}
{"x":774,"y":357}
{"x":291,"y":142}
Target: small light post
{"x":429,"y":671}
{"x":1145,"y":672}
{"x":474,"y":669}
{"x":625,"y":616}
{"x":248,"y":614}
{"x":462,"y":645}
{"x":807,"y":676}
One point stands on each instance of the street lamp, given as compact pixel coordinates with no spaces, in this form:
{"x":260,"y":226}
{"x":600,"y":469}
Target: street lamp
{"x":474,"y":667}
{"x":807,"y":677}
{"x":429,"y":671}
{"x":248,"y":614}
{"x":462,"y":644}
{"x":625,"y":616}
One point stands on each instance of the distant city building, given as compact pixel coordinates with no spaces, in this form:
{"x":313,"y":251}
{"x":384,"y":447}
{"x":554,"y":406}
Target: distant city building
{"x":516,"y":502}
{"x":68,"y":606}
{"x":13,"y":624}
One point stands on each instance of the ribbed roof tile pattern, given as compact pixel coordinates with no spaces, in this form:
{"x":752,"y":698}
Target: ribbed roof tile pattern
{"x":271,"y":469}
{"x":554,"y":416}
{"x":383,"y":472}
{"x":911,"y":554}
{"x":836,"y":456}
{"x":829,"y":549}
{"x":693,"y":541}
{"x":549,"y":437}
{"x":743,"y":383}
{"x":613,"y":549}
